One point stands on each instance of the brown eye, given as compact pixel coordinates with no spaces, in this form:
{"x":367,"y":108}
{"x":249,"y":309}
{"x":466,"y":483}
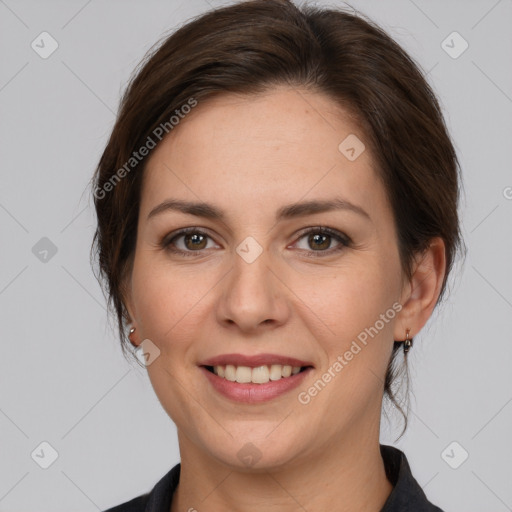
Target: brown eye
{"x":186,"y":242}
{"x":319,"y":241}
{"x":194,"y":241}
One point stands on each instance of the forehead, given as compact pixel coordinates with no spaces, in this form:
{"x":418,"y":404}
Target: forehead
{"x":267,"y":149}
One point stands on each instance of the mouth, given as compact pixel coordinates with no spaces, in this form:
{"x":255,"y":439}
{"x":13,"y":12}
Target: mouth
{"x":253,"y":379}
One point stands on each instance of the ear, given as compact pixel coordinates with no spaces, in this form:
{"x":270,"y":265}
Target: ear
{"x":420,"y":294}
{"x":128,"y":304}
{"x":127,"y":298}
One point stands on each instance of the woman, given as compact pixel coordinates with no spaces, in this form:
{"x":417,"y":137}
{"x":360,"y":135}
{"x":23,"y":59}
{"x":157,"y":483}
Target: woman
{"x":277,"y":219}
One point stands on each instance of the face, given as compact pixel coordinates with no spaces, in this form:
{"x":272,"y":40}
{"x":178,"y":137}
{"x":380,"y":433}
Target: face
{"x":255,"y":286}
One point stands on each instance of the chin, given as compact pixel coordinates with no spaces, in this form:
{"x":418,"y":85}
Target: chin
{"x":257,"y":451}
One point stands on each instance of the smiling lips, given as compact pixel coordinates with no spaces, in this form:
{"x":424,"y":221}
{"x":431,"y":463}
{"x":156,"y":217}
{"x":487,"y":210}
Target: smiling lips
{"x":261,"y":369}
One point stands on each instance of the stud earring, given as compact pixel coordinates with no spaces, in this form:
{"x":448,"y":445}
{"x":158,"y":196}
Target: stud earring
{"x":132,"y":330}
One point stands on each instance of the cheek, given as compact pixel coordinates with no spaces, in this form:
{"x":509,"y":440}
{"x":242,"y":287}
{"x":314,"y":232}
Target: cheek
{"x":348,"y":301}
{"x":170,"y":310}
{"x":357,"y":306}
{"x":169,"y":302}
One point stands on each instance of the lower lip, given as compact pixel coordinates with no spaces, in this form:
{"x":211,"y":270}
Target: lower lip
{"x":254,"y":393}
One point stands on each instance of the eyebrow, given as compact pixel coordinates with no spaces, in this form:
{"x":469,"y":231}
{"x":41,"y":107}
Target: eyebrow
{"x":209,"y":211}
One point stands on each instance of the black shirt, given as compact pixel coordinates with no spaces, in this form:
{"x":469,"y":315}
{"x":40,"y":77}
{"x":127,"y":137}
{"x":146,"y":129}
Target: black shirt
{"x":406,"y":495}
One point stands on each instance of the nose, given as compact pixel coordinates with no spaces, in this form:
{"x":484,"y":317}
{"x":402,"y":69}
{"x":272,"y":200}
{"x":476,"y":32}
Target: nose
{"x":253,"y":296}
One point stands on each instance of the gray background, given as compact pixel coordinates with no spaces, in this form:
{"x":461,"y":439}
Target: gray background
{"x":63,"y":379}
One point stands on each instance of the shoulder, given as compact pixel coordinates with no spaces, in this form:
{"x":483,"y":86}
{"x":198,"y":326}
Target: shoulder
{"x":407,"y":494}
{"x":157,"y":500}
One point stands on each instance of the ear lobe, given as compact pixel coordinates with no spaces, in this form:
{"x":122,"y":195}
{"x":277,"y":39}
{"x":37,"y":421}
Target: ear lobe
{"x":130,"y":316}
{"x":420,"y":297}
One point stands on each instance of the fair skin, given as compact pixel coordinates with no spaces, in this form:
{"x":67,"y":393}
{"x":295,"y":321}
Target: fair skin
{"x":250,"y":156}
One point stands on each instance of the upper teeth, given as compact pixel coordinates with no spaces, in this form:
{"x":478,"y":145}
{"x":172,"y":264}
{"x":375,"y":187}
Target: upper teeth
{"x":257,"y":375}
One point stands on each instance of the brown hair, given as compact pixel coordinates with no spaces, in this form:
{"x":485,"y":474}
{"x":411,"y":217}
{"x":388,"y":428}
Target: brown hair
{"x":249,"y":47}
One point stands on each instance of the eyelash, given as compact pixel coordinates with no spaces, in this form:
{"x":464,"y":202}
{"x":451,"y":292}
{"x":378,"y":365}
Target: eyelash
{"x":344,"y":241}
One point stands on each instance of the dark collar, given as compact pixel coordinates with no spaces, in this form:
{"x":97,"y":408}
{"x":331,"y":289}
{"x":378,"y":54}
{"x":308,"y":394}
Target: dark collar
{"x":406,"y":495}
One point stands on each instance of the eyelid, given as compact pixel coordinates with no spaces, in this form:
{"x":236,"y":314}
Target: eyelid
{"x":327,"y":230}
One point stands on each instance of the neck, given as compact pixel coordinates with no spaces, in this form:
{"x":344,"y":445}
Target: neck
{"x":347,"y":476}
